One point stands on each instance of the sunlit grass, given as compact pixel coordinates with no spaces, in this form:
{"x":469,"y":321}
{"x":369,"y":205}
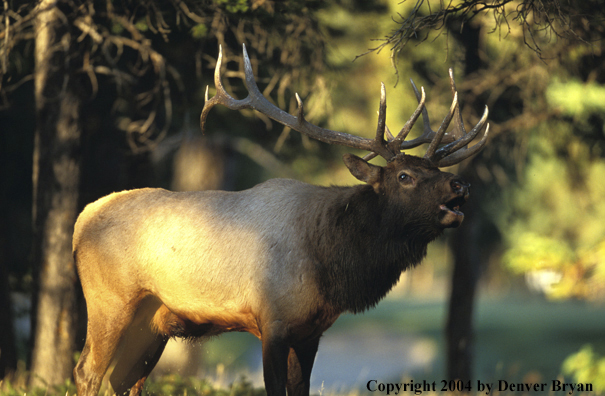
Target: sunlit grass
{"x":170,"y":385}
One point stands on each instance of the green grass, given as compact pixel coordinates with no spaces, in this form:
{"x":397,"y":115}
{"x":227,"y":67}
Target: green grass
{"x":170,"y":385}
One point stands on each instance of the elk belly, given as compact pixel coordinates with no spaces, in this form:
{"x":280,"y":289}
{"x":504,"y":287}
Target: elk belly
{"x":205,"y":324}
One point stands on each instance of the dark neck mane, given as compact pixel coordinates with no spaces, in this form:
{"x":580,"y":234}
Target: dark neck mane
{"x":361,"y":246}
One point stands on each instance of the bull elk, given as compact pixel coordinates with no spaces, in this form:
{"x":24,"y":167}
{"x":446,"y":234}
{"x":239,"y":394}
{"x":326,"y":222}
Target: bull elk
{"x":281,"y":260}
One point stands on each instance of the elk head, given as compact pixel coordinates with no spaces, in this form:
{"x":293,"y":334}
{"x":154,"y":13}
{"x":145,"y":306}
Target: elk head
{"x":407,"y":181}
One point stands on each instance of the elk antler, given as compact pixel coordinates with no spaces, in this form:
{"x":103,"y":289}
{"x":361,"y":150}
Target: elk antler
{"x":387,"y":149}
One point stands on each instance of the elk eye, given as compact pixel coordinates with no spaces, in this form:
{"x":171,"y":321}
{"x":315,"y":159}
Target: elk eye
{"x":405,"y":178}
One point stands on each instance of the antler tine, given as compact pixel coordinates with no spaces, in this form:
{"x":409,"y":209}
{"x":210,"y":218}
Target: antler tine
{"x":454,"y":152}
{"x":428,"y":134}
{"x":222,"y":97}
{"x":386,"y":149}
{"x":379,"y":145}
{"x":390,"y":136}
{"x":463,"y":154}
{"x":382,"y":114}
{"x":410,"y":123}
{"x":430,"y":152}
{"x":464,"y":140}
{"x":460,"y":130}
{"x":210,"y":103}
{"x":300,"y":109}
{"x":390,"y":139}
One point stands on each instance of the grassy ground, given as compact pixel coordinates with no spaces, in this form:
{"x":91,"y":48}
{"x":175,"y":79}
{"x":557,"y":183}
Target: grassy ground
{"x":171,"y":385}
{"x":517,"y":340}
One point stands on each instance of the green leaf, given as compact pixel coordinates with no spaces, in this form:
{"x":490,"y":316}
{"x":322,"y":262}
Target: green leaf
{"x":141,"y":25}
{"x":199,"y":31}
{"x":234,"y":6}
{"x":576,"y":98}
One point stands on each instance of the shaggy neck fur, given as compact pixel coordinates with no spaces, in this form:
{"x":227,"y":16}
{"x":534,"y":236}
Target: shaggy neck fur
{"x":361,"y":245}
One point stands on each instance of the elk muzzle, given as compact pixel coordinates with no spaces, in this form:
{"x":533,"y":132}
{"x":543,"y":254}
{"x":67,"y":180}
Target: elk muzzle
{"x":451,"y":216}
{"x":461,"y":187}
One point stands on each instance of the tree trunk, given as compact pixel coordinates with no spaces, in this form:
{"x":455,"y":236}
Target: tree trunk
{"x":8,"y":353}
{"x":467,"y":258}
{"x":459,"y":328}
{"x":56,"y":171}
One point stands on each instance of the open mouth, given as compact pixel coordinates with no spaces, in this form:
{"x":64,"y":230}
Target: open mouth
{"x":451,"y":216}
{"x":453,"y":205}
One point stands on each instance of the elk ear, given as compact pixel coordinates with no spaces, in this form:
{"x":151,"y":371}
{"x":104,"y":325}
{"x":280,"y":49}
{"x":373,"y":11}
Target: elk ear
{"x":364,"y":171}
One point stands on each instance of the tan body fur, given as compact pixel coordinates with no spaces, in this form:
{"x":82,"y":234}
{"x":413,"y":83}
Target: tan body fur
{"x":216,"y":258}
{"x":212,"y":261}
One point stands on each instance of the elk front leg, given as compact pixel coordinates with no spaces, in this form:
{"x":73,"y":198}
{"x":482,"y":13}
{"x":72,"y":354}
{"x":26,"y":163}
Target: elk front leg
{"x":300,"y":364}
{"x":275,"y":359}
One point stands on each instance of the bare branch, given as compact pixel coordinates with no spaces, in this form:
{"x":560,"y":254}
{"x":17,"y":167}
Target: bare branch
{"x":545,"y":16}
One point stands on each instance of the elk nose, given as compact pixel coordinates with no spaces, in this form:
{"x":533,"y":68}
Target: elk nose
{"x":460,"y":187}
